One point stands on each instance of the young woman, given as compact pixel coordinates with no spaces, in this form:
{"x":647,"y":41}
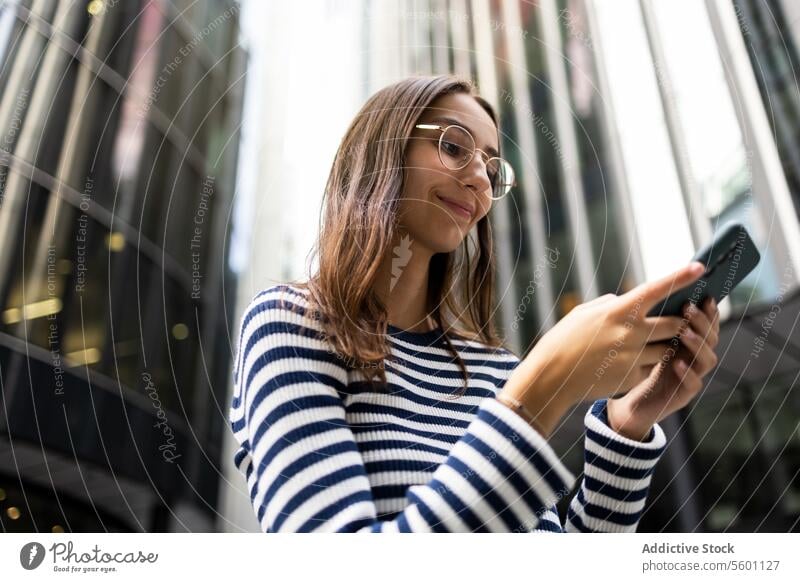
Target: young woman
{"x":376,"y":396}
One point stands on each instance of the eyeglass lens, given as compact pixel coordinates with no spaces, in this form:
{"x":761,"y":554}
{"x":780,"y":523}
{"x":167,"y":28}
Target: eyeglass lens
{"x":456,"y":148}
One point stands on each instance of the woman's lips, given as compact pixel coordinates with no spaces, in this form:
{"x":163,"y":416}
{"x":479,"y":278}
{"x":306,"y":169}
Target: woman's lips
{"x":460,"y":210}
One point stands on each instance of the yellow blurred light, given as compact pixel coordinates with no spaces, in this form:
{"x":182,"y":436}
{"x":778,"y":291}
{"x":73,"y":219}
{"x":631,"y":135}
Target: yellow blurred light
{"x":32,"y":310}
{"x":568,"y":302}
{"x":12,"y":315}
{"x":83,"y":357}
{"x":180,"y":331}
{"x":95,"y":7}
{"x":13,"y":513}
{"x":57,"y":529}
{"x":115,"y":241}
{"x":2,"y":494}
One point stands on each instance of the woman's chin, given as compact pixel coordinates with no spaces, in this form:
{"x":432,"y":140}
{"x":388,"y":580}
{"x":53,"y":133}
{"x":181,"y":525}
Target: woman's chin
{"x":446,"y":244}
{"x":439,"y":237}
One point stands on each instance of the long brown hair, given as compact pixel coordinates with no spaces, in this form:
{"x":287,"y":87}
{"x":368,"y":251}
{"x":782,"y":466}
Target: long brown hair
{"x":357,"y":228}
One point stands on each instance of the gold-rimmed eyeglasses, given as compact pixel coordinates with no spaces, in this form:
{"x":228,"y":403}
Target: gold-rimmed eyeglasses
{"x":456,"y":150}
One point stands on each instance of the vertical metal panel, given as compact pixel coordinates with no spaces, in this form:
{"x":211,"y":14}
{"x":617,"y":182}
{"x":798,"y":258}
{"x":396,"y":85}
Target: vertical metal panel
{"x":487,"y":80}
{"x":569,"y":161}
{"x":535,"y":213}
{"x":616,"y":162}
{"x":698,"y":220}
{"x":769,"y":183}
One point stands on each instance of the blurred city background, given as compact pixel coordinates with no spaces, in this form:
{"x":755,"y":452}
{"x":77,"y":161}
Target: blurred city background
{"x":163,"y":160}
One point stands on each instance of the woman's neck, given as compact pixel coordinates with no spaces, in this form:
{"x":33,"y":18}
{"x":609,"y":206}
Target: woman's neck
{"x":402,"y":286}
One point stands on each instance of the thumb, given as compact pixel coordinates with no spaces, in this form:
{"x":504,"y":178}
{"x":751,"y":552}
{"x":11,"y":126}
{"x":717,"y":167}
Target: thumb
{"x":651,"y":293}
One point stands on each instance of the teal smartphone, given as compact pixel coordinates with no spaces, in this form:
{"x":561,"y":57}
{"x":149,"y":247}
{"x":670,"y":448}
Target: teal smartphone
{"x":728,"y":259}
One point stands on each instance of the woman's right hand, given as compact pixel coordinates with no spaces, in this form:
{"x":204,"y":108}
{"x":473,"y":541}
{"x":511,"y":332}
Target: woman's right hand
{"x":599,"y":349}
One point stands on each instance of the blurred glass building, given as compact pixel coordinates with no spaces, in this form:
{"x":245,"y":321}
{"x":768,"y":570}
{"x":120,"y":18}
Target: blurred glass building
{"x":638,"y":128}
{"x":119,"y":124}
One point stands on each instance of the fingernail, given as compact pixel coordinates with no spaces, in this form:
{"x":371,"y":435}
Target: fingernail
{"x":713,"y":303}
{"x":690,"y":335}
{"x":680,"y":365}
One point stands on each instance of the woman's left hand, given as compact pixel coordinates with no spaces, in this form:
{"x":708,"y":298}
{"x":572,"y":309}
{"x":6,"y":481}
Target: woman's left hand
{"x":674,"y":381}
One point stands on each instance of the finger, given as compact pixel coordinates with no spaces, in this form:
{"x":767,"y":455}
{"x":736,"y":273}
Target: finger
{"x":662,"y":327}
{"x":700,"y":324}
{"x":712,"y":311}
{"x":651,"y":293}
{"x":644,"y":373}
{"x":689,"y":380}
{"x":648,"y":370}
{"x":654,"y":353}
{"x":709,"y":307}
{"x":699,"y":353}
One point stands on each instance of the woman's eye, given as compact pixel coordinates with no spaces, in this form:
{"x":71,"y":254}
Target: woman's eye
{"x":451,"y":149}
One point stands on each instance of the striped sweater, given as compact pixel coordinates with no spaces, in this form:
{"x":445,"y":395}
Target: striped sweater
{"x":322,"y":452}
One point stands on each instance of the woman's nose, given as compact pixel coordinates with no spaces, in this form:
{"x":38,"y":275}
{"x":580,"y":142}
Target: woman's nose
{"x":477,"y":175}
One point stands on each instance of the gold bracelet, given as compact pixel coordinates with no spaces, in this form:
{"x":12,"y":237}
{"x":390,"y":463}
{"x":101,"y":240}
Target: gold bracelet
{"x":520,"y":409}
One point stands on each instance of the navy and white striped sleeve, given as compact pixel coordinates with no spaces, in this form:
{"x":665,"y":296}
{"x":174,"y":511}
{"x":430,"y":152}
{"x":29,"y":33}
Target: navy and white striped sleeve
{"x":304,"y":471}
{"x":616,"y":479}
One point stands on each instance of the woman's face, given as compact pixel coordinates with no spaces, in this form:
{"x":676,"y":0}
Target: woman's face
{"x":431,"y":192}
